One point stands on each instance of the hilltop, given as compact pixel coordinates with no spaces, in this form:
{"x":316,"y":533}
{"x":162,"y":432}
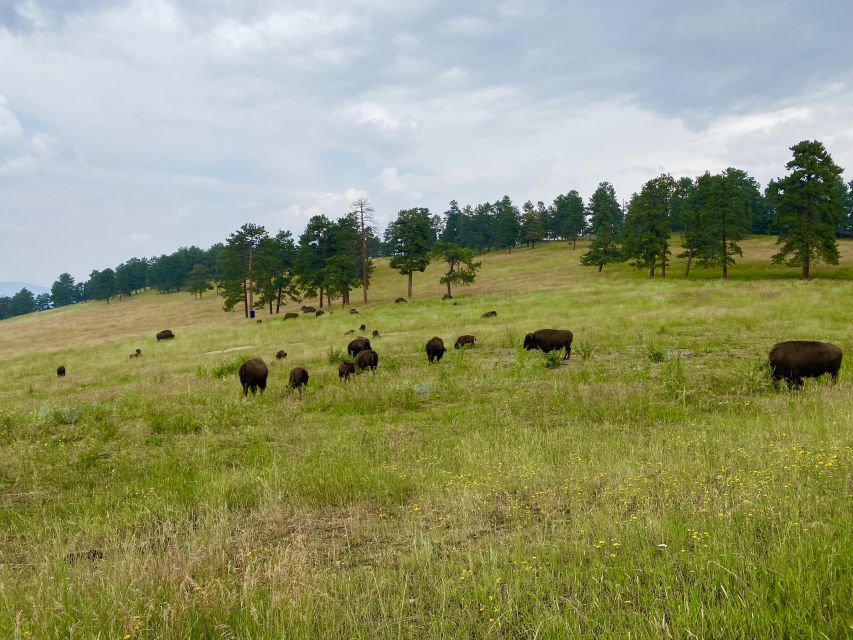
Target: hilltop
{"x":654,"y":484}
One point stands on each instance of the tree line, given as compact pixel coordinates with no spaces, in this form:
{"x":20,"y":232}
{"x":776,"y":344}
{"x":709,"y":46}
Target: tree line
{"x":807,"y":209}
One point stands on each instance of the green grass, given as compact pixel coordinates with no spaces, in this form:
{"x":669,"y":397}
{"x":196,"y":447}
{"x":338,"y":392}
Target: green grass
{"x":656,"y":485}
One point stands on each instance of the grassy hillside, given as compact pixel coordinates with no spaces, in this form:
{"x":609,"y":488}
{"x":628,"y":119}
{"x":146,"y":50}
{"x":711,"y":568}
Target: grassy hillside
{"x":655,"y":485}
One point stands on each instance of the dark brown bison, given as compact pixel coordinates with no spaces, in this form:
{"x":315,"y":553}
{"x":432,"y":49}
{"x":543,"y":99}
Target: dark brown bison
{"x":298,"y":379}
{"x":435,"y":349}
{"x":253,"y":375}
{"x":550,"y":340}
{"x":367,"y":359}
{"x":280,"y":355}
{"x":353,"y":312}
{"x":376,"y":333}
{"x":447,"y":296}
{"x":319,"y":312}
{"x":60,"y":371}
{"x":465,"y":341}
{"x":359,"y":344}
{"x":259,"y":321}
{"x":307,"y":309}
{"x":363,"y":327}
{"x":399,"y":300}
{"x":165,"y":334}
{"x":797,"y":359}
{"x":345,"y":370}
{"x":490,"y":314}
{"x":136,"y":354}
{"x":290,"y":315}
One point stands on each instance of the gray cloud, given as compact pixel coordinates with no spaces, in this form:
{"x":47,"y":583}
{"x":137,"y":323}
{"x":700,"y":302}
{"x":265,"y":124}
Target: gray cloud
{"x":131,"y":128}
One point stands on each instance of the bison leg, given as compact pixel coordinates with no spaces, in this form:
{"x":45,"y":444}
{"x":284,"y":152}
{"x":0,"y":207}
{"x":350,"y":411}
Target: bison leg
{"x":568,"y":352}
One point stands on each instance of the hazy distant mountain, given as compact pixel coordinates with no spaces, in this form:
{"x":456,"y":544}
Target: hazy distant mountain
{"x":11,"y":288}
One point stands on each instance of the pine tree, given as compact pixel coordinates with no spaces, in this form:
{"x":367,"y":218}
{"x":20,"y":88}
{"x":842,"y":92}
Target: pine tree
{"x":571,"y":216}
{"x":198,"y":281}
{"x":647,"y":225}
{"x":531,"y":225}
{"x":726,"y":219}
{"x":64,"y":291}
{"x":410,"y":238}
{"x":809,"y":208}
{"x":606,"y":221}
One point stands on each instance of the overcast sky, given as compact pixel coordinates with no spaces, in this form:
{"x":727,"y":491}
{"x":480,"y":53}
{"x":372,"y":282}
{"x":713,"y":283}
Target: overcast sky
{"x":130,"y":128}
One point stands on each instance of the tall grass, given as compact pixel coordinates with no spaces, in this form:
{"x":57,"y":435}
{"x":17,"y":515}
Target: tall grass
{"x":618,"y":495}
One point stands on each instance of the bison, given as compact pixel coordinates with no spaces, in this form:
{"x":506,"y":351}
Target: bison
{"x":367,"y":359}
{"x":550,"y":340}
{"x":363,"y":327}
{"x":298,"y":379}
{"x":345,"y":370}
{"x":376,"y":333}
{"x":136,"y":354}
{"x":318,"y":313}
{"x":165,"y":334}
{"x":399,"y":300}
{"x":259,"y":321}
{"x":798,"y":359}
{"x":60,"y":371}
{"x":435,"y":349}
{"x":290,"y":315}
{"x":253,"y":375}
{"x":280,"y":355}
{"x":307,"y":309}
{"x":447,"y":296}
{"x":490,"y":314}
{"x":465,"y":341}
{"x":353,"y":312}
{"x":359,"y":344}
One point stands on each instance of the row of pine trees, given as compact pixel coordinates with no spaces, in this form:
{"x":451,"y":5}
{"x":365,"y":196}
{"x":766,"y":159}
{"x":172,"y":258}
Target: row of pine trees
{"x":709,"y":215}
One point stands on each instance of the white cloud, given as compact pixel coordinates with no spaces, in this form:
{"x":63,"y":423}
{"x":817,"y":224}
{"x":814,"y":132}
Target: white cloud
{"x":391,"y":182}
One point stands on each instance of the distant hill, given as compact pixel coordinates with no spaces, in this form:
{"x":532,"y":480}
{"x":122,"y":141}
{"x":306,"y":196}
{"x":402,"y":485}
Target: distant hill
{"x":11,"y":288}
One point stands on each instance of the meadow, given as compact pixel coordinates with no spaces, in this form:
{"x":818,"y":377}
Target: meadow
{"x":655,"y":485}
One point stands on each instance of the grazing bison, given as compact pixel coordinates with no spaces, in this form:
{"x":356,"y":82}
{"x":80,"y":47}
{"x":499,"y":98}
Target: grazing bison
{"x":298,"y":379}
{"x":353,"y":312}
{"x":165,"y":334}
{"x":367,"y":359}
{"x":60,"y":371}
{"x":363,"y":327}
{"x":435,"y":349}
{"x":290,"y":314}
{"x":798,"y":359}
{"x":136,"y":354}
{"x":307,"y":309}
{"x":399,"y":300}
{"x":490,"y":314}
{"x":345,"y":370}
{"x":465,"y":341}
{"x":550,"y":340}
{"x":359,"y":344}
{"x":280,"y":355}
{"x":259,"y":321}
{"x":376,"y":333}
{"x":318,"y":313}
{"x":253,"y":375}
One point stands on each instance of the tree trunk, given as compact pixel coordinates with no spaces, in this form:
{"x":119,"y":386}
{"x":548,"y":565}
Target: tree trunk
{"x":410,"y":285}
{"x":725,"y":257}
{"x":321,"y":297}
{"x":448,"y":289}
{"x":652,"y":270}
{"x":278,"y":301}
{"x":574,"y":242}
{"x":689,"y":262}
{"x":251,"y":280}
{"x":600,"y":266}
{"x":806,"y":267}
{"x":245,"y":298}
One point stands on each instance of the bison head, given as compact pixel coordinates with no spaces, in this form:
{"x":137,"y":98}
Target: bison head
{"x":528,"y":342}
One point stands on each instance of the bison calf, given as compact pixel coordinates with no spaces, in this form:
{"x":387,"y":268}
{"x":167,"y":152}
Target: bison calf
{"x":550,"y":340}
{"x":465,"y":341}
{"x":280,"y":355}
{"x":490,"y":314}
{"x":318,"y":313}
{"x":136,"y":354}
{"x":797,"y":359}
{"x":253,"y":375}
{"x":359,"y":344}
{"x":345,"y":370}
{"x":367,"y":359}
{"x":298,"y":379}
{"x":435,"y":349}
{"x":165,"y":334}
{"x":376,"y":333}
{"x":60,"y":371}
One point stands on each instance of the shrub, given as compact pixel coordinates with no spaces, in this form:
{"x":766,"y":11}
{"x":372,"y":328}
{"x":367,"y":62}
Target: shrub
{"x":654,"y":352}
{"x":335,"y":355}
{"x":552,"y":359}
{"x":226,"y":369}
{"x":585,"y":350}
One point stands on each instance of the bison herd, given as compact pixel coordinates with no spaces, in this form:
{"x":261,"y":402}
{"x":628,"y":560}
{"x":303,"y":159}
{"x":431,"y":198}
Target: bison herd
{"x":791,"y":361}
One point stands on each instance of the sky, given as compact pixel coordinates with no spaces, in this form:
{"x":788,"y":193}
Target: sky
{"x":131,"y":128}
